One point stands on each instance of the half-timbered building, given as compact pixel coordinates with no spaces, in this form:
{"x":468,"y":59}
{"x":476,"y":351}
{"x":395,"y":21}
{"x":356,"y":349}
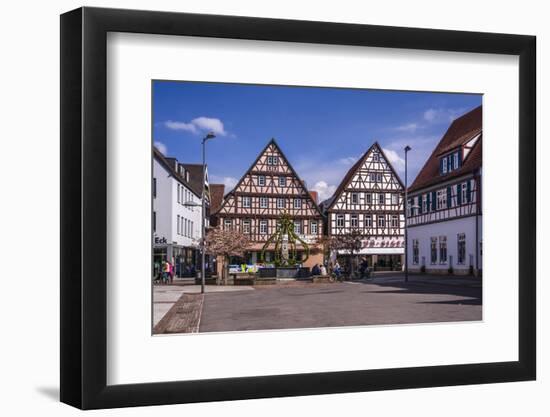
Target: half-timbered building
{"x":444,"y":215}
{"x":268,"y":189}
{"x":370,"y":200}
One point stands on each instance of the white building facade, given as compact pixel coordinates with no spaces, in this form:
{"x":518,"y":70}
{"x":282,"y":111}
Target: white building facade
{"x":444,"y":210}
{"x":177,"y":215}
{"x":370,"y":201}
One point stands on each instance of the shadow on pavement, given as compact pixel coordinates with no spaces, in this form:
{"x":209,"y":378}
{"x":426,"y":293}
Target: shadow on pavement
{"x":425,"y":288}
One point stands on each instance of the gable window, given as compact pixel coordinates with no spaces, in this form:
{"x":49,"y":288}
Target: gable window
{"x":443,"y":165}
{"x":246,"y":202}
{"x":281,"y":203}
{"x":441,"y":199}
{"x":394,"y":221}
{"x":282,"y":181}
{"x":297,"y":203}
{"x":376,"y":157}
{"x":442,"y":249}
{"x":339,"y":220}
{"x":272,"y":160}
{"x":354,"y":220}
{"x":263,"y":227}
{"x":368,"y":220}
{"x":313,"y":227}
{"x":461,"y":248}
{"x":261,"y":180}
{"x":354,"y":198}
{"x":373,"y":177}
{"x":381,"y":198}
{"x":263,"y":202}
{"x":433,"y":250}
{"x":416,"y":251}
{"x":378,"y":177}
{"x":246,"y":226}
{"x":465,"y":192}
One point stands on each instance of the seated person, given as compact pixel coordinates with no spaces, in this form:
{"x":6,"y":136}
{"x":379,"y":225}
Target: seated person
{"x":316,"y":270}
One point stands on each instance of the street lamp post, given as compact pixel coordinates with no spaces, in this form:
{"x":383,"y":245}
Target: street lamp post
{"x":209,"y":136}
{"x":407,"y":149}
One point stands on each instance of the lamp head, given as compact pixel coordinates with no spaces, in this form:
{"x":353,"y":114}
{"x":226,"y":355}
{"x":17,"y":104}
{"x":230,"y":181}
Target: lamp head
{"x":407,"y":148}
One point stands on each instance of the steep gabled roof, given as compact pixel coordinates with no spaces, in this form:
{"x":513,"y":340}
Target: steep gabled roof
{"x":168,"y":163}
{"x":351,"y":172}
{"x":195,"y":176}
{"x":273,"y":142}
{"x":461,"y":130}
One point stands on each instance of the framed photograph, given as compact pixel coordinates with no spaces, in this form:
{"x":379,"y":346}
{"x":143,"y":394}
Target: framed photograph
{"x":257,"y":208}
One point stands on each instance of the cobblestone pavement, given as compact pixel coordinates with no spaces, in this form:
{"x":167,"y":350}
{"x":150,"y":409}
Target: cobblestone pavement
{"x":183,"y":317}
{"x":307,"y":305}
{"x":165,"y":296}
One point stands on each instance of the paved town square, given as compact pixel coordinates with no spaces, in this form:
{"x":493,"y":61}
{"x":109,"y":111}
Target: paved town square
{"x":294,"y":305}
{"x":308,"y":227}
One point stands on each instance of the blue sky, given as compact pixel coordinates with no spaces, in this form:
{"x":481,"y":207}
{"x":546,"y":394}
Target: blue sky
{"x":322,"y":131}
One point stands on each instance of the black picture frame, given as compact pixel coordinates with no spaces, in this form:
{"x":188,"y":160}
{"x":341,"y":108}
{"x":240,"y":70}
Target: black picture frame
{"x":84,"y":207}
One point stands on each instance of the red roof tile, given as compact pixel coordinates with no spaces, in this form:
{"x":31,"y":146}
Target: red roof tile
{"x":460,"y":131}
{"x":217,"y":192}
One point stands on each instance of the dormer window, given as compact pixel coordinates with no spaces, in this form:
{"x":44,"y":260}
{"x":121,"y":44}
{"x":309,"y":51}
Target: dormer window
{"x":450,"y":162}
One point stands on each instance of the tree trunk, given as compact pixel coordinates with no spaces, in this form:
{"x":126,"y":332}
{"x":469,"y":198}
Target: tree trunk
{"x":351,"y":266}
{"x":224,"y":271}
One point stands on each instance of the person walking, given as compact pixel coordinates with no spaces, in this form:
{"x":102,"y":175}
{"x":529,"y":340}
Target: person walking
{"x":165,"y":272}
{"x":171,"y":272}
{"x":337,"y":270}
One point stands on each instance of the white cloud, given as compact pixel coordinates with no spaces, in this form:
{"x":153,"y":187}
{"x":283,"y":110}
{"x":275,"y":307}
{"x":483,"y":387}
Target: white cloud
{"x":161,"y":147}
{"x":442,"y":115}
{"x":189,"y":127}
{"x":229,"y":182}
{"x":350,"y":160}
{"x":198,"y":125}
{"x":422,"y":147}
{"x":395,"y":159}
{"x":211,"y":124}
{"x":324,"y":190}
{"x":408,"y":127}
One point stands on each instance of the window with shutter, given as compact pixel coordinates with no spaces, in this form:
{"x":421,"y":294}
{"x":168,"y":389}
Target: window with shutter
{"x":433,"y":201}
{"x":420,"y":204}
{"x":468,"y":191}
{"x":449,"y":195}
{"x":459,"y":194}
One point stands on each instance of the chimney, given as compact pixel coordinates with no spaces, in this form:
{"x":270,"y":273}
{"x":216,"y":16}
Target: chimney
{"x":314,"y":195}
